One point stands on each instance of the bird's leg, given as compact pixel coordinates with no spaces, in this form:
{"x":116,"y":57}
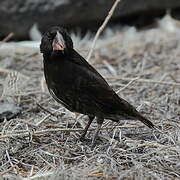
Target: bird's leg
{"x":91,"y":118}
{"x":99,"y":122}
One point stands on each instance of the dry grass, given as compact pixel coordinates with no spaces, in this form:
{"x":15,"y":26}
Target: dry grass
{"x":43,"y":140}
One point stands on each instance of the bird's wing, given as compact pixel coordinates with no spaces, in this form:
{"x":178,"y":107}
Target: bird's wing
{"x":97,"y":89}
{"x":79,"y":60}
{"x":103,"y":97}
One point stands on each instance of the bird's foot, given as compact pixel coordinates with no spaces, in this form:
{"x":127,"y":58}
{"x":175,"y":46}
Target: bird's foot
{"x":93,"y":145}
{"x":96,"y":140}
{"x":90,"y":142}
{"x":96,"y":137}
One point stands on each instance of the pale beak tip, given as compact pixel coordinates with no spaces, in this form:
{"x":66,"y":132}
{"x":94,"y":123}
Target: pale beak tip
{"x":58,"y":47}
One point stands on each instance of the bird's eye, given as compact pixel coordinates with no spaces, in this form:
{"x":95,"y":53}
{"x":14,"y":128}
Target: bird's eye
{"x":51,"y":35}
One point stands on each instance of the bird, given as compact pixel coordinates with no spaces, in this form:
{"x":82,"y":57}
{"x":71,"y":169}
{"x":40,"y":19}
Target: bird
{"x":77,"y":85}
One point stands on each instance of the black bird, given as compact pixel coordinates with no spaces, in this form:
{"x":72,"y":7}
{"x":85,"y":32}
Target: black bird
{"x":74,"y":83}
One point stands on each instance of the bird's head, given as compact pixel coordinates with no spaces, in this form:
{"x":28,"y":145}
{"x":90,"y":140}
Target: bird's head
{"x":56,"y":39}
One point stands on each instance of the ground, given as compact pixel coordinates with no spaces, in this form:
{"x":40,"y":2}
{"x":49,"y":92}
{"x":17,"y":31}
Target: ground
{"x":42,"y":140}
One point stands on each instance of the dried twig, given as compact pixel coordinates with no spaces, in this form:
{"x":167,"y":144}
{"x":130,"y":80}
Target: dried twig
{"x":9,"y":159}
{"x":2,"y":70}
{"x":110,"y":68}
{"x":101,"y":28}
{"x":6,"y":171}
{"x":46,"y":110}
{"x":8,"y":37}
{"x":118,"y":91}
{"x":47,"y":116}
{"x":144,"y":80}
{"x":40,"y":132}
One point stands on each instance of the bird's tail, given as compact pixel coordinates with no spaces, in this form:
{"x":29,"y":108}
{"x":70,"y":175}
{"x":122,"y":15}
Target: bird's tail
{"x":137,"y":116}
{"x":145,"y":121}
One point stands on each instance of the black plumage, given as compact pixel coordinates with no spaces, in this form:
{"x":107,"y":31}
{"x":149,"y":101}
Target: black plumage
{"x":74,"y":83}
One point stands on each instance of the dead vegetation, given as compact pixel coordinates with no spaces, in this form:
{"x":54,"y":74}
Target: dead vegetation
{"x":42,"y":141}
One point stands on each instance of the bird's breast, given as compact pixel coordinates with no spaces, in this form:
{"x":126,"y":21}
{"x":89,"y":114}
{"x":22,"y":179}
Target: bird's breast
{"x":62,"y":83}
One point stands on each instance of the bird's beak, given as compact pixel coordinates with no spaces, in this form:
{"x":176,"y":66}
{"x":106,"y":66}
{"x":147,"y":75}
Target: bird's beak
{"x":58,"y":42}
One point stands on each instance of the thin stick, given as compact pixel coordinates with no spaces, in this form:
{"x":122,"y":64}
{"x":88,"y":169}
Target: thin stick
{"x":9,"y":159}
{"x":101,"y":28}
{"x":145,"y":81}
{"x":128,"y":84}
{"x":52,"y":114}
{"x":6,"y":70}
{"x":44,"y":118}
{"x":42,"y":82}
{"x":6,"y":171}
{"x":8,"y":37}
{"x":26,"y":132}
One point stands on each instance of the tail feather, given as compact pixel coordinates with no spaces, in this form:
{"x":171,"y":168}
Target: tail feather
{"x":127,"y":111}
{"x":137,"y":116}
{"x":146,"y":121}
